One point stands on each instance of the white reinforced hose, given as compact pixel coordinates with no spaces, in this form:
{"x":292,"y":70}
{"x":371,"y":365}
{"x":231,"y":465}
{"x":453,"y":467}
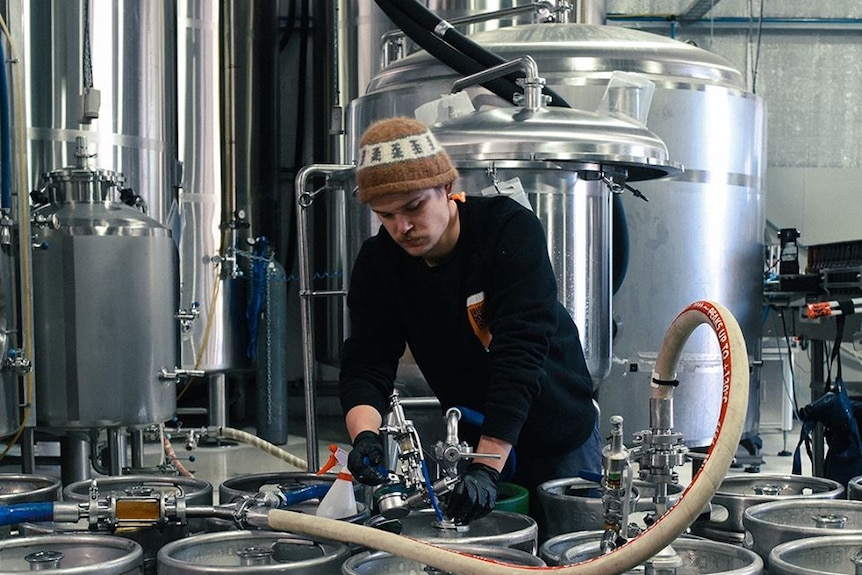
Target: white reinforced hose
{"x":691,"y":502}
{"x":263,"y":445}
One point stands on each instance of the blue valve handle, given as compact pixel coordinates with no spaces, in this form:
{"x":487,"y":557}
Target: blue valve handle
{"x":379,"y":469}
{"x":301,"y":494}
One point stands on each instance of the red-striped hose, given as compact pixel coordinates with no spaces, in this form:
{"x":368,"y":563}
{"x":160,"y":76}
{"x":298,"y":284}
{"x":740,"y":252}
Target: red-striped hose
{"x":734,"y":399}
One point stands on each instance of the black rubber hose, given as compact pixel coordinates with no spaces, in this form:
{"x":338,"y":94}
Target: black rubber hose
{"x":429,"y":22}
{"x":443,"y":51}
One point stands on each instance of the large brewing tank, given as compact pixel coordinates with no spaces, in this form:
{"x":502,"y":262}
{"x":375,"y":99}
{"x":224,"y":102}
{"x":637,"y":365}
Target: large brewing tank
{"x":105,"y":295}
{"x":699,"y":236}
{"x":564,"y":160}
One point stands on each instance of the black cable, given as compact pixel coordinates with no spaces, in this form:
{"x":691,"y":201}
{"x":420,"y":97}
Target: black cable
{"x":86,"y":56}
{"x":443,"y":51}
{"x":790,"y":361}
{"x":430,"y":21}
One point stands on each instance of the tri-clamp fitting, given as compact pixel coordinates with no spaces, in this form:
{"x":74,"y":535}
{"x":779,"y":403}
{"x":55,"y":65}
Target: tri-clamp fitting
{"x":659,"y":450}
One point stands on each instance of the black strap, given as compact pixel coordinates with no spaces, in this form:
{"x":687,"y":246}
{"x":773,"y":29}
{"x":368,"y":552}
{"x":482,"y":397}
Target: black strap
{"x":668,"y":382}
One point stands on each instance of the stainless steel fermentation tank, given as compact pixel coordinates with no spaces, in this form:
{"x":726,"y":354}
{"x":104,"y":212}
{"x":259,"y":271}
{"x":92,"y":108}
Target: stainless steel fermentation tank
{"x":105,"y":293}
{"x":158,"y":69}
{"x":699,"y":236}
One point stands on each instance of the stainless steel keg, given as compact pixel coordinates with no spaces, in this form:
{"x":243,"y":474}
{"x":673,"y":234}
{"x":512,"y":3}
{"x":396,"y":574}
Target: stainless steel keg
{"x":854,"y":488}
{"x":71,"y":554}
{"x":739,"y":492}
{"x":689,"y":555}
{"x":574,"y":504}
{"x":769,"y":524}
{"x":246,"y":552}
{"x":17,"y":488}
{"x":817,"y":556}
{"x":381,"y":563}
{"x":500,"y":528}
{"x":242,"y":486}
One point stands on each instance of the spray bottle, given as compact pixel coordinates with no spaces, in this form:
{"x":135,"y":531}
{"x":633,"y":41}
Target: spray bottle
{"x":340,"y":501}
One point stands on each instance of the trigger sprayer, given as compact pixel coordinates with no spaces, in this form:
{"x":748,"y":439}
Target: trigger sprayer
{"x":340,"y":501}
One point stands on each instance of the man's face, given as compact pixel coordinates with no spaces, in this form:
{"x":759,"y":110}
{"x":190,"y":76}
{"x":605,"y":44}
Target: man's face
{"x":424,"y":223}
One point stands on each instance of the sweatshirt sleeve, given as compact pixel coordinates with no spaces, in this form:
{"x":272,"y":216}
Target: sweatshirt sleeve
{"x":370,"y":354}
{"x":522,"y":306}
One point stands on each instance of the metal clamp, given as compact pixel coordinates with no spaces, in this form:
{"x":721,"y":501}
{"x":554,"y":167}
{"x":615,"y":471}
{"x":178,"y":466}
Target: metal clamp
{"x":180,"y":374}
{"x":17,"y":361}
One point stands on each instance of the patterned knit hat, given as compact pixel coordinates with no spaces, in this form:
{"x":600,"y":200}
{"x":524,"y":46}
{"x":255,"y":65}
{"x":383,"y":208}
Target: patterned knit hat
{"x":400,"y":155}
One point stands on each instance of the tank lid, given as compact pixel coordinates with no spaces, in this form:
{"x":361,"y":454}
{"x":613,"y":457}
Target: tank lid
{"x":557,"y":135}
{"x":565,"y":51}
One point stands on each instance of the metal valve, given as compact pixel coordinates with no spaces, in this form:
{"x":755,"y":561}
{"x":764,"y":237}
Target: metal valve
{"x":187,"y":316}
{"x":17,"y":361}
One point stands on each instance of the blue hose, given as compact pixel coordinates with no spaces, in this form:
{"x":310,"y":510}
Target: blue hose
{"x":5,"y":137}
{"x":25,"y":512}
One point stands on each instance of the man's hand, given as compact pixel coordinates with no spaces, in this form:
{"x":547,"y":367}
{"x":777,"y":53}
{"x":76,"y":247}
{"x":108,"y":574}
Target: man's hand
{"x":366,"y":457}
{"x":475,"y":495}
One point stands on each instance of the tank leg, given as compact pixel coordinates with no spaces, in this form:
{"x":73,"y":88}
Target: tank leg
{"x":136,"y":439}
{"x":74,"y":458}
{"x":117,"y":444}
{"x":218,"y":399}
{"x":28,"y":450}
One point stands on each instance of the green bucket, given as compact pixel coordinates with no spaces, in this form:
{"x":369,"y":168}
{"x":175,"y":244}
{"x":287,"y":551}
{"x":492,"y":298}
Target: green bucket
{"x":513,"y":497}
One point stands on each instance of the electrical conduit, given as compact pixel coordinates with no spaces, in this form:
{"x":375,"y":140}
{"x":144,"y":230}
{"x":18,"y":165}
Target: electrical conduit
{"x":669,"y":526}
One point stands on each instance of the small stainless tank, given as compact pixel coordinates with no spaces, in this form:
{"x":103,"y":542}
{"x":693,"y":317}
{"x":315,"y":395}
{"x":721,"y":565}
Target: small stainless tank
{"x":246,"y":552}
{"x":574,"y":504}
{"x":381,"y":563}
{"x":71,"y":554}
{"x":817,"y":556}
{"x":105,"y":294}
{"x":691,"y":555}
{"x":501,"y":528}
{"x":739,"y":492}
{"x":769,"y":524}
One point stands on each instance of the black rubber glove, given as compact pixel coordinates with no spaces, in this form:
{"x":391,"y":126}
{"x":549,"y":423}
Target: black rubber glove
{"x":365,"y":458}
{"x":475,"y":495}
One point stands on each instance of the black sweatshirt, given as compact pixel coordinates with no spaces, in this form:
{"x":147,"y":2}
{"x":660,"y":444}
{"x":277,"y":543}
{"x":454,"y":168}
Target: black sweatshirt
{"x":531,"y":383}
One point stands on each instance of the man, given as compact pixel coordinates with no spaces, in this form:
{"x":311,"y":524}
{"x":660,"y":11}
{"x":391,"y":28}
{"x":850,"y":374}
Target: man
{"x":468,"y":285}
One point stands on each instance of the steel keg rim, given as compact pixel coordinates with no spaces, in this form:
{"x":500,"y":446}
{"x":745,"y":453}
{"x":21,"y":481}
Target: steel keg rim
{"x":166,"y":559}
{"x":52,"y":484}
{"x":776,"y":561}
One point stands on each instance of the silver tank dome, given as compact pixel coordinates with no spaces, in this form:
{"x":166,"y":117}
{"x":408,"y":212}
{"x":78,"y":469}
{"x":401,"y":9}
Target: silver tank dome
{"x":557,"y":135}
{"x":578,"y":50}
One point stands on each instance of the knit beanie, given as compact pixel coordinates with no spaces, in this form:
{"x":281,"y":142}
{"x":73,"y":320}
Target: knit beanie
{"x":398,"y":155}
